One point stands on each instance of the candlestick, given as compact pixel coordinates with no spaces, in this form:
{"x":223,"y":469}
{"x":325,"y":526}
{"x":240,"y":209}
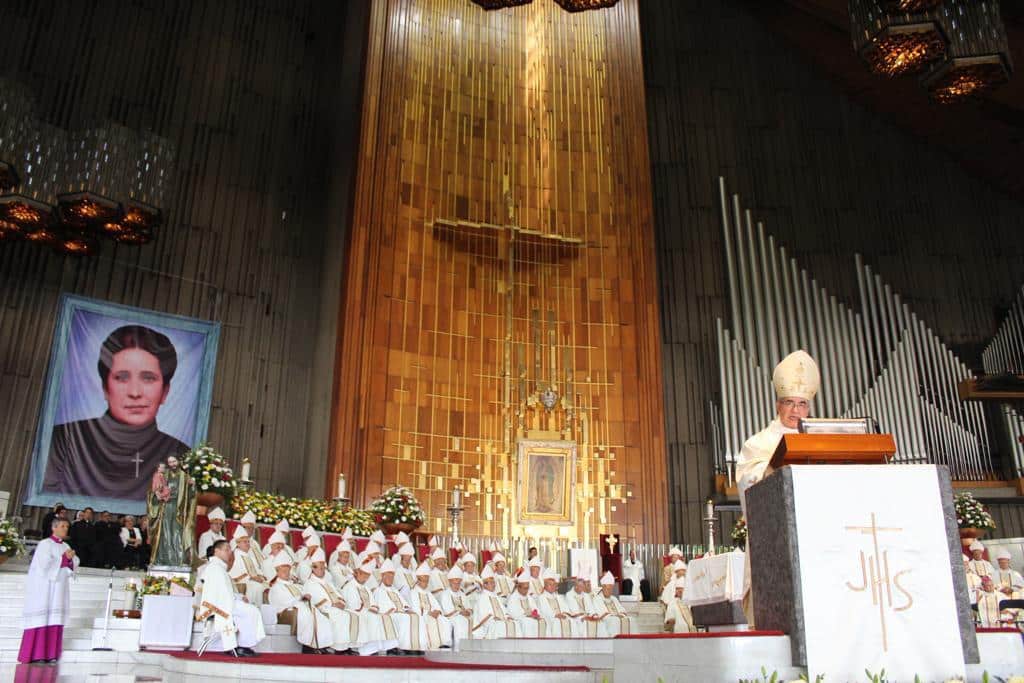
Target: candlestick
{"x":711,"y":508}
{"x":457,"y":497}
{"x":341,"y":485}
{"x":246,"y":466}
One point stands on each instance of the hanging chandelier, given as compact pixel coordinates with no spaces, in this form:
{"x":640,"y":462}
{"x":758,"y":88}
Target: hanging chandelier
{"x":897,"y":37}
{"x":71,"y":191}
{"x":978,"y":58}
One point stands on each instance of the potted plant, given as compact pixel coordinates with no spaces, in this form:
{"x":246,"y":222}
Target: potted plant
{"x":397,"y":510}
{"x":972,"y":518}
{"x":739,"y":533}
{"x":213,"y":476}
{"x":11,"y":542}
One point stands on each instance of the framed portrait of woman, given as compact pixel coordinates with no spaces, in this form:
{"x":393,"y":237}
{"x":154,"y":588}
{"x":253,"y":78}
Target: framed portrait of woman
{"x":547,"y":478}
{"x":125,"y":388}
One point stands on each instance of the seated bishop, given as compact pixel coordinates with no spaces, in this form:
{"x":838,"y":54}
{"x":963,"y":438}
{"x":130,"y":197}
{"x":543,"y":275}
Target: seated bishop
{"x":214,"y":533}
{"x":302,"y":552}
{"x":232,"y":625}
{"x":330,"y":603}
{"x":554,"y":609}
{"x":1007,"y":580}
{"x":504,"y":583}
{"x":437,"y":628}
{"x":536,"y":569}
{"x":276,"y":549}
{"x":405,"y":569}
{"x":372,"y":554}
{"x":401,"y":622}
{"x":248,"y":520}
{"x":522,"y":607}
{"x":313,"y":629}
{"x":453,"y":605}
{"x":668,"y":593}
{"x":490,"y":621}
{"x":304,"y":567}
{"x":471,"y":583}
{"x":285,"y":530}
{"x":359,"y":602}
{"x":608,"y":609}
{"x":678,"y":618}
{"x":439,"y":571}
{"x":247,"y":571}
{"x":668,"y":572}
{"x":988,"y":603}
{"x":340,"y":564}
{"x":978,"y":564}
{"x":581,"y":603}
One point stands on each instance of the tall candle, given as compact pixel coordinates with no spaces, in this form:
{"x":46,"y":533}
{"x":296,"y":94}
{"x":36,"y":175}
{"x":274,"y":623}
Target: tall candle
{"x":341,"y":485}
{"x":457,"y":497}
{"x":711,"y":508}
{"x":246,"y":466}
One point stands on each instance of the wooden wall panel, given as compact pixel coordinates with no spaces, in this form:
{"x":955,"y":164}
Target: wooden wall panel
{"x":248,"y":92}
{"x":726,"y":97}
{"x":447,"y":333}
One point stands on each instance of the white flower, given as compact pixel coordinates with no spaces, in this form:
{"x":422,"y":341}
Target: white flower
{"x":205,"y":487}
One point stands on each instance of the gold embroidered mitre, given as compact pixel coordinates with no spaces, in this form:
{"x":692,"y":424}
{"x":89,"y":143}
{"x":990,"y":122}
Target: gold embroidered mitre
{"x":797,"y":376}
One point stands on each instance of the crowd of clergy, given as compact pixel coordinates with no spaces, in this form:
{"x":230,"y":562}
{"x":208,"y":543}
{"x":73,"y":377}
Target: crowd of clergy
{"x":369,"y":603}
{"x":989,"y":586}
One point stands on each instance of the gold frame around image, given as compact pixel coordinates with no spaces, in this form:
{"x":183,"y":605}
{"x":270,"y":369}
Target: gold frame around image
{"x":546,"y":480}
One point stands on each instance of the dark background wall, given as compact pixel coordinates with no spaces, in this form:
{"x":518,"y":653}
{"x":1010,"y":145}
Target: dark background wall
{"x":258,"y":98}
{"x":726,"y":97}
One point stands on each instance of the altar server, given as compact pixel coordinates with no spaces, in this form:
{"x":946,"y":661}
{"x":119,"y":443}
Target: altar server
{"x":796,"y":380}
{"x":439,"y":572}
{"x":582,"y":609}
{"x":214,"y":533}
{"x":400,"y":621}
{"x":340,"y":564}
{"x":370,"y":636}
{"x":437,"y":628}
{"x":313,"y":629}
{"x":555,"y":611}
{"x":237,"y":626}
{"x":1007,"y":580}
{"x":330,"y":603}
{"x":453,"y":605}
{"x":247,"y":570}
{"x":504,"y":585}
{"x":668,"y":572}
{"x":523,"y":608}
{"x":255,"y":547}
{"x":275,"y":551}
{"x":489,"y":618}
{"x":47,"y":596}
{"x":979,"y":565}
{"x":608,"y":609}
{"x":678,"y":618}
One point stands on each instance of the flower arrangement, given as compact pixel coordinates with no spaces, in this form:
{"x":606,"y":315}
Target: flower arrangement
{"x":971,"y":514}
{"x":210,"y":471}
{"x":11,"y":542}
{"x":739,"y":532}
{"x":323,"y":515}
{"x":154,"y":585}
{"x":397,"y":505}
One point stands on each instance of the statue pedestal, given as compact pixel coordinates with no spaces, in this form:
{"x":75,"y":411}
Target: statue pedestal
{"x":860,"y":566}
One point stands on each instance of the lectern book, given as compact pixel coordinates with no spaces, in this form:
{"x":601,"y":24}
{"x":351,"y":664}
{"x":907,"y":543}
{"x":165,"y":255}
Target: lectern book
{"x":834,"y":449}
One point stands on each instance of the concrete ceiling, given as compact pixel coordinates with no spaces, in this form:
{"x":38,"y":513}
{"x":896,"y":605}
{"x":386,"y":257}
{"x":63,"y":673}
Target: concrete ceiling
{"x":986,"y":135}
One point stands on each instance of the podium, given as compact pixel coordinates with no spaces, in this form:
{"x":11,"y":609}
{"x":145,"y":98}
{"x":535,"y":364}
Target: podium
{"x":858,"y":564}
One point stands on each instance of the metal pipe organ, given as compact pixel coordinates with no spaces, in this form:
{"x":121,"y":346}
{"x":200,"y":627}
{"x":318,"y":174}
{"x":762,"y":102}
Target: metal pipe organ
{"x":880,"y":361}
{"x":1005,"y":353}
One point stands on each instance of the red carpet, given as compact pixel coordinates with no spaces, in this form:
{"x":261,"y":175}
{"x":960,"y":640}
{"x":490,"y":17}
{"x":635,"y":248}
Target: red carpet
{"x":722,"y":634}
{"x":982,"y":629}
{"x":356,"y":662}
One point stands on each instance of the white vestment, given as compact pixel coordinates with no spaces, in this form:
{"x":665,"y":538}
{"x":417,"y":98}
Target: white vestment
{"x":988,"y":607}
{"x":634,"y":571}
{"x":582,"y":605}
{"x":312,"y":628}
{"x":678,"y":612}
{"x":452,"y":605}
{"x":370,"y":634}
{"x":206,"y":539}
{"x":437,"y":630}
{"x":235,"y":623}
{"x":247,"y":570}
{"x":345,"y":624}
{"x":268,"y":566}
{"x":982,"y":568}
{"x":757,"y":452}
{"x":613,"y":617}
{"x":471,"y":589}
{"x":400,"y":621}
{"x":521,"y":608}
{"x":1009,"y":578}
{"x":340,"y":573}
{"x":550,"y":604}
{"x":438,"y":582}
{"x":47,"y":593}
{"x":489,"y":618}
{"x":536,"y":586}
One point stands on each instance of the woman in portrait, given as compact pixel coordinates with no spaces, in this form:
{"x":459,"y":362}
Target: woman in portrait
{"x":115,"y":455}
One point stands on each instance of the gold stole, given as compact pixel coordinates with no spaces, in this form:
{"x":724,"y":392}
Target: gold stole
{"x":364,"y":597}
{"x":250,"y":564}
{"x":433,"y":629}
{"x":582,"y":605}
{"x":499,"y":614}
{"x":542,"y":626}
{"x":389,"y":624}
{"x":613,"y":609}
{"x":564,"y":621}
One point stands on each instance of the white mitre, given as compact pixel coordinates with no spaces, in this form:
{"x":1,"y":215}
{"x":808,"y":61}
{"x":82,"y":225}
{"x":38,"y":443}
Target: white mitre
{"x":797,"y":376}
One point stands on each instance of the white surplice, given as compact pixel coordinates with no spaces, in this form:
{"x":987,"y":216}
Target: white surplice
{"x":47,"y":589}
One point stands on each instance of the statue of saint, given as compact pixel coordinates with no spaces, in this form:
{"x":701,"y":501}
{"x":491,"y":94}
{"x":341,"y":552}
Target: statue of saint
{"x":171,"y":506}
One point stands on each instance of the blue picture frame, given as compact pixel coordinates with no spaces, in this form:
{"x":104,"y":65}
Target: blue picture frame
{"x":202,"y":364}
